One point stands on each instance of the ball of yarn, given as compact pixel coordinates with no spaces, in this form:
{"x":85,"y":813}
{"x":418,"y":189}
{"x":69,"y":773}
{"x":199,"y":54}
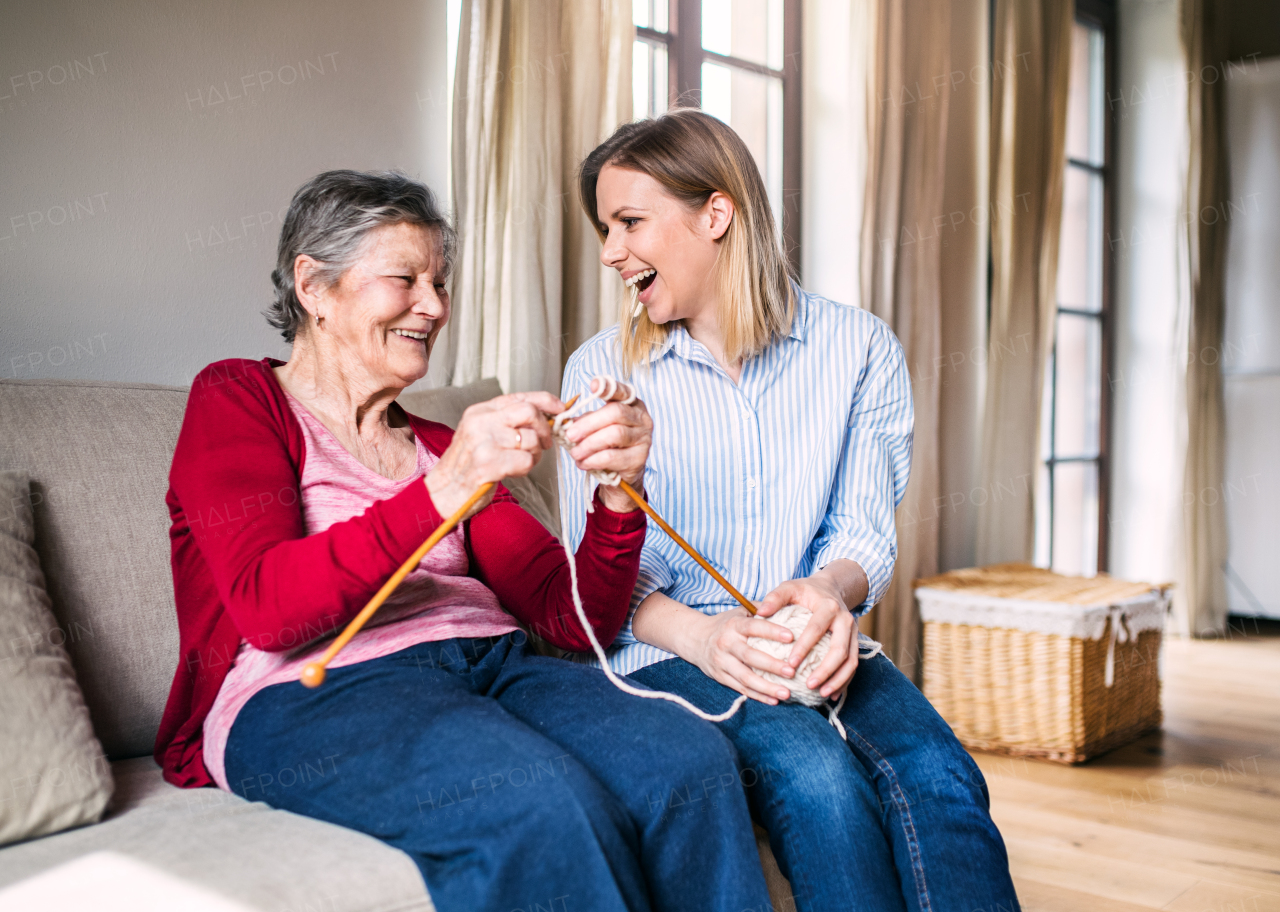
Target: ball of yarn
{"x":794,"y":618}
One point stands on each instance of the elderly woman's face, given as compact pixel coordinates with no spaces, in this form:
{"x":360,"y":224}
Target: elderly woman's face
{"x":388,"y":308}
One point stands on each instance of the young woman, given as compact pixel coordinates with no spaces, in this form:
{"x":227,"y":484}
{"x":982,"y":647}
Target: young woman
{"x":781,"y":448}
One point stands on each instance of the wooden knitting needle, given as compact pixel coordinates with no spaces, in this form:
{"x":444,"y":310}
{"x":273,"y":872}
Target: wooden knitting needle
{"x":688,"y":549}
{"x":314,"y":672}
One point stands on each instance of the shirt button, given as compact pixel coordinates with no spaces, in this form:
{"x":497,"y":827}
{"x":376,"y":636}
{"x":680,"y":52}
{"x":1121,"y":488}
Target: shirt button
{"x":748,"y":549}
{"x":751,"y":482}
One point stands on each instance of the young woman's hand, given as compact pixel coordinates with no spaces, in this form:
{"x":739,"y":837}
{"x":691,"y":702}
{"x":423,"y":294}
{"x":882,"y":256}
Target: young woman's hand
{"x":824,"y":596}
{"x":721,"y":650}
{"x":615,"y":438}
{"x":501,"y":437}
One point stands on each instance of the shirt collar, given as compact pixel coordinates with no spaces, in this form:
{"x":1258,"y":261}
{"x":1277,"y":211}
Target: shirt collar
{"x":681,"y":343}
{"x":801,"y":317}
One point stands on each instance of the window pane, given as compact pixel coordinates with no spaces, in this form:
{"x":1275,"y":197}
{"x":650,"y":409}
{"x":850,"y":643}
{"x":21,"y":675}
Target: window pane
{"x":1080,"y":244}
{"x":746,"y":29}
{"x":1043,"y":513}
{"x":717,"y":91}
{"x":648,"y":80}
{"x":1097,"y":97}
{"x":752,"y":105}
{"x":1077,"y":364}
{"x":650,"y":14}
{"x":1075,"y":518}
{"x":1085,"y":112}
{"x":1043,"y":558}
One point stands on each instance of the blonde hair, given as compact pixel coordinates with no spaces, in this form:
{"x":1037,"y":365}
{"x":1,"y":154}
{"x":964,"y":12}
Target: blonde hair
{"x":693,"y":155}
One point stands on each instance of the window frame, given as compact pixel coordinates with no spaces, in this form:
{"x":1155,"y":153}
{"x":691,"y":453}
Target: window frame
{"x":685,"y":56}
{"x":1099,"y":15}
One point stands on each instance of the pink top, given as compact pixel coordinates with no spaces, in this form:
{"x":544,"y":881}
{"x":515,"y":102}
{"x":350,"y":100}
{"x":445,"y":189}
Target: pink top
{"x":437,"y":601}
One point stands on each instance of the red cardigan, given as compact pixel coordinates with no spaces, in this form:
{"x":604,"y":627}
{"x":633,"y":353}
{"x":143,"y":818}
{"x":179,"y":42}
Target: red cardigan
{"x":245,"y":569}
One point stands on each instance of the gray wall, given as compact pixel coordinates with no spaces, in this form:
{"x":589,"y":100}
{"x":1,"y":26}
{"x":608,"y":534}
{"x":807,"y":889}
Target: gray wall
{"x":148,"y":152}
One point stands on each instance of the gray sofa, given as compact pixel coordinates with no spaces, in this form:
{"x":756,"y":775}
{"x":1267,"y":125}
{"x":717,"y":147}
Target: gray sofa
{"x":98,"y":455}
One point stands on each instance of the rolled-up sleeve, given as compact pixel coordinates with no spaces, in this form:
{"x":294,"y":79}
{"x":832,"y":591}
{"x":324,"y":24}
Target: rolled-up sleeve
{"x":874,"y":467}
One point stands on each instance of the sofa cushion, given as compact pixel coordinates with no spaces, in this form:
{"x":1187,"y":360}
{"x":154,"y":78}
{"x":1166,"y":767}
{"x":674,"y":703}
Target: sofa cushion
{"x":537,"y":491}
{"x":98,"y":456}
{"x":264,"y":858}
{"x":111,"y":882}
{"x":447,"y":403}
{"x":53,"y":774}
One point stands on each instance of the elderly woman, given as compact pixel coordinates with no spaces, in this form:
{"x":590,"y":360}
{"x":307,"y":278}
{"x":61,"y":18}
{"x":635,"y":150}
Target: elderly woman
{"x":298,"y":488}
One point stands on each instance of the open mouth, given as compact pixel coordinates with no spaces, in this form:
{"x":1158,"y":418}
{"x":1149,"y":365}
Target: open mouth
{"x":411,"y":335}
{"x":639,"y":284}
{"x":642,"y":280}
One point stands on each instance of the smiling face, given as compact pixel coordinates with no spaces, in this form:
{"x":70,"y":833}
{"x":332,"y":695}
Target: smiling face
{"x":382,"y":317}
{"x":655,"y":239}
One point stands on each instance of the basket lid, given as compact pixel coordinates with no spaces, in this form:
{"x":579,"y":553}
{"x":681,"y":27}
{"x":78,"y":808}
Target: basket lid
{"x":1023,"y":597}
{"x":1026,"y":582}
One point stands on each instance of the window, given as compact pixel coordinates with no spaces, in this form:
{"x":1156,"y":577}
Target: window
{"x":1071,"y":496}
{"x":650,"y":65}
{"x":739,"y":60}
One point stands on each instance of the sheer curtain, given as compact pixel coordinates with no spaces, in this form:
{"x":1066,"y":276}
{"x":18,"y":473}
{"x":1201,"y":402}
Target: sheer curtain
{"x":1031,"y":43}
{"x":1202,"y":251}
{"x":908,"y":47}
{"x":537,"y":86}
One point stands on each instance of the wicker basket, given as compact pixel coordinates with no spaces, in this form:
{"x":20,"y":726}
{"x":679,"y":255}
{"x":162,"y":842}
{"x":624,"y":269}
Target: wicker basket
{"x":1022,"y":661}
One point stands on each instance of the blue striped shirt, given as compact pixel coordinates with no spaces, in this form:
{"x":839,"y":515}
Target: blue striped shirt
{"x":801,"y":462}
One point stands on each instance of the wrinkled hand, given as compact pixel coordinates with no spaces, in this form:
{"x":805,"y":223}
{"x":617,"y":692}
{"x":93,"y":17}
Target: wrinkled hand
{"x":615,"y":438}
{"x":823,"y":597}
{"x":723,"y":654}
{"x":501,"y":437}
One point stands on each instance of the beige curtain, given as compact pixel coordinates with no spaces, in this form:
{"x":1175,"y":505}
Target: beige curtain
{"x":537,"y":86}
{"x":597,"y":98}
{"x":909,"y":45}
{"x":1203,"y":253}
{"x":1030,"y":74}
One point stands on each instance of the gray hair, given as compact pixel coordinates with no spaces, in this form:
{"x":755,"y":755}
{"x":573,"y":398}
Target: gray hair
{"x":328,"y":220}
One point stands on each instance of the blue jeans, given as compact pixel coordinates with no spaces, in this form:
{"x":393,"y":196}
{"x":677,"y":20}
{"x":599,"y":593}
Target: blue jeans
{"x":895,"y":819}
{"x":513,"y":780}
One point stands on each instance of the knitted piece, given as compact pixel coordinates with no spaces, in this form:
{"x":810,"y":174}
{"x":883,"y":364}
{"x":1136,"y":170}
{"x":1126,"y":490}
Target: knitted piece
{"x":609,"y":387}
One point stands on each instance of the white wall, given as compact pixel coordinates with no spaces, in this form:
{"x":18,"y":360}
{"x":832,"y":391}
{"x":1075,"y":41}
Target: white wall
{"x":1251,"y":353}
{"x":1147,"y":438}
{"x":149,"y":152}
{"x":834,"y":149}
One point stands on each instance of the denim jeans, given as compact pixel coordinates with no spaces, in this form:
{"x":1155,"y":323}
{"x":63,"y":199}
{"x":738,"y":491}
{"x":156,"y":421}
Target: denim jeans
{"x":513,"y":780}
{"x":896,"y":819}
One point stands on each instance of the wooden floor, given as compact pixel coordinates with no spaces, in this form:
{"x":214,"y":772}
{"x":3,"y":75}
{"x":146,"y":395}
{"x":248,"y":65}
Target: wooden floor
{"x":1186,"y":820}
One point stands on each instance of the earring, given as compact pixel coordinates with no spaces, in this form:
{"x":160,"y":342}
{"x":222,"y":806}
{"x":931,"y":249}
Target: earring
{"x":318,"y":319}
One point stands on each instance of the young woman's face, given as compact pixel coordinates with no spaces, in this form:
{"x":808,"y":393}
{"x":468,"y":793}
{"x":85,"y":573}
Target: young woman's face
{"x":656,"y":241}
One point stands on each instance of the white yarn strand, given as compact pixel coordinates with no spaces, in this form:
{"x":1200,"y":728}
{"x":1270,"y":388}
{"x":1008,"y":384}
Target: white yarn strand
{"x":609,"y":673}
{"x":609,"y":386}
